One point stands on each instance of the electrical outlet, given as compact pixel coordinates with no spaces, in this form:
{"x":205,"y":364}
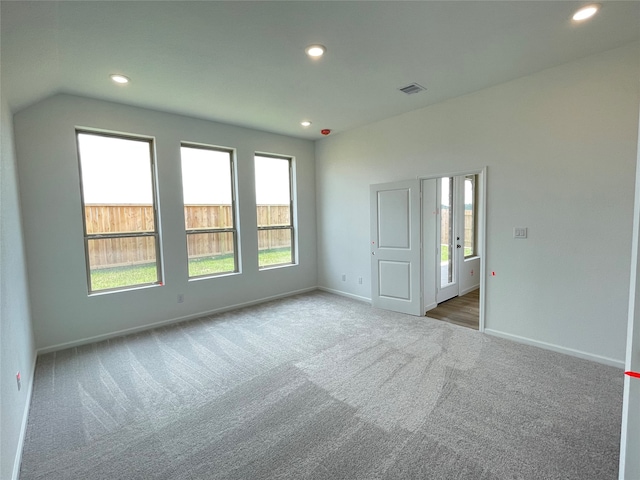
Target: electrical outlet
{"x":18,"y":380}
{"x":360,"y":280}
{"x":180,"y":297}
{"x":344,"y":277}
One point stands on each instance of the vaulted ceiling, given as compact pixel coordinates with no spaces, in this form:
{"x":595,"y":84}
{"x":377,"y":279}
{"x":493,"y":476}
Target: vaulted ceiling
{"x":243,"y":63}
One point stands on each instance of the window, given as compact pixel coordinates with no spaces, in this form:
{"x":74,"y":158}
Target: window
{"x":119,"y":211}
{"x":274,"y":202}
{"x":470,"y":220}
{"x":209,"y":210}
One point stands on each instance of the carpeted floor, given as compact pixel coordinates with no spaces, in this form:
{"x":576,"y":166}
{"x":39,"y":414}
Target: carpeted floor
{"x":320,"y":387}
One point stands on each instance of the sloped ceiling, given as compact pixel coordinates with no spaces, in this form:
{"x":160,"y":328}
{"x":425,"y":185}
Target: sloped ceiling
{"x":243,"y":63}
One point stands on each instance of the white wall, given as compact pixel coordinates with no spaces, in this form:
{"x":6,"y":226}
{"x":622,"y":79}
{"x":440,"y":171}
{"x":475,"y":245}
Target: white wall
{"x":469,"y":275}
{"x":17,"y":352}
{"x":560,"y":147}
{"x":62,"y":311}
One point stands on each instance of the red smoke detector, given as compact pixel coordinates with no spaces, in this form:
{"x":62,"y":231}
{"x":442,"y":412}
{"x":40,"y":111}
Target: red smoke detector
{"x":325,"y":131}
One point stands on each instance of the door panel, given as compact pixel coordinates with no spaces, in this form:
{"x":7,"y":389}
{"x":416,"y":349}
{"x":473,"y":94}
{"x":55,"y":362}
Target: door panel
{"x":395,"y":247}
{"x":394,"y":279}
{"x":393,"y":218}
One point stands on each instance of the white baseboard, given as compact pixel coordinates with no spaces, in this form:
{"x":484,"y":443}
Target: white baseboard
{"x":345,"y":294}
{"x":17,"y":461}
{"x":149,"y":326}
{"x":468,"y":290}
{"x":557,"y":348}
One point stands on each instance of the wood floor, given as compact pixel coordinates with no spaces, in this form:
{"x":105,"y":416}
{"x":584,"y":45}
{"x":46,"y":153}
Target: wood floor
{"x":464,"y":311}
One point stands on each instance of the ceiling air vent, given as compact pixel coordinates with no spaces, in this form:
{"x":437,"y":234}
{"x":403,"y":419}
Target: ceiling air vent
{"x":412,"y":88}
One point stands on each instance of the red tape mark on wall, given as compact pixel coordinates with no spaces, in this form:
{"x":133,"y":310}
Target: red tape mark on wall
{"x":633,"y":374}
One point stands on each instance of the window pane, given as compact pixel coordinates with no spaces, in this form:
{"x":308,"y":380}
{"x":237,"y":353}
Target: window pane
{"x":447,"y":257}
{"x":122,"y":262}
{"x":210,"y":253}
{"x":469,"y":216}
{"x":274,"y":247}
{"x":273,"y":191}
{"x":116,"y":184}
{"x":206,"y":188}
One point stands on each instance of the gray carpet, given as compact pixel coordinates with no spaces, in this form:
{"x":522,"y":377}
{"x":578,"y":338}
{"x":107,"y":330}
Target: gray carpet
{"x":320,"y":387}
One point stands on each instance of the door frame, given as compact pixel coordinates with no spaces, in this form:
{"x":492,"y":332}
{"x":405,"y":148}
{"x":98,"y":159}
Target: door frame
{"x":481,"y":225}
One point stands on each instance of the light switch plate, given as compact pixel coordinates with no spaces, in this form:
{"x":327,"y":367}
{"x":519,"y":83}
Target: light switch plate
{"x":519,"y":232}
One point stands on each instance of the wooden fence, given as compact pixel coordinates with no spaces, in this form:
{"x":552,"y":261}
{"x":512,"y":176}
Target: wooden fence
{"x":112,"y":252}
{"x":117,"y":252}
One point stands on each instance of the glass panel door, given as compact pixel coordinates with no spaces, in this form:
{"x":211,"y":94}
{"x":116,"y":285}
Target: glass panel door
{"x":450,"y":250}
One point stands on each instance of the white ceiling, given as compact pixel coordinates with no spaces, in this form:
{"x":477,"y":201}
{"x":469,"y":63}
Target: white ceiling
{"x":243,"y":63}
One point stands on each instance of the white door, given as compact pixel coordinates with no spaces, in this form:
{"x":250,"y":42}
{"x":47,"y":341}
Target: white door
{"x":630,"y":435}
{"x":450,"y":229}
{"x":630,"y":431}
{"x":395,"y":247}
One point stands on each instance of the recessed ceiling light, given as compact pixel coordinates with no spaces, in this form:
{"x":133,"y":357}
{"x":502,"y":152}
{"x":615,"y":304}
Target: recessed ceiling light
{"x":121,"y":79}
{"x":305,"y":123}
{"x":315,"y":51}
{"x":585,"y":12}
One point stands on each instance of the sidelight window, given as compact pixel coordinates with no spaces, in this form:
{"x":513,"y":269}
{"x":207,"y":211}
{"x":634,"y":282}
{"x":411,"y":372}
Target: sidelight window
{"x":470,"y":216}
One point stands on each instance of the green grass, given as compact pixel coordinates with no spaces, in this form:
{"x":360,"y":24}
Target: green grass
{"x":211,"y":265}
{"x":444,"y":252}
{"x":117,"y":277}
{"x":274,"y":256}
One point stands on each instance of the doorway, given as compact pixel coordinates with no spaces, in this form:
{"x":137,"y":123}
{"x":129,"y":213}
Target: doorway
{"x":407,"y":266}
{"x":453,"y":255}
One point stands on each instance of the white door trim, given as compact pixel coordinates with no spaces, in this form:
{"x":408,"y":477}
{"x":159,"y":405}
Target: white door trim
{"x":482,"y":228}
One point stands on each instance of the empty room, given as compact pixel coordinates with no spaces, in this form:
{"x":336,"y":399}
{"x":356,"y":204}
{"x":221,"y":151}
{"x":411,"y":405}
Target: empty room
{"x":319,"y":240}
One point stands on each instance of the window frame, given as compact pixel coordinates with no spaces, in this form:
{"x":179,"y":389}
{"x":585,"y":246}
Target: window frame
{"x":102,"y":236}
{"x":234,"y":215}
{"x":292,"y":213}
